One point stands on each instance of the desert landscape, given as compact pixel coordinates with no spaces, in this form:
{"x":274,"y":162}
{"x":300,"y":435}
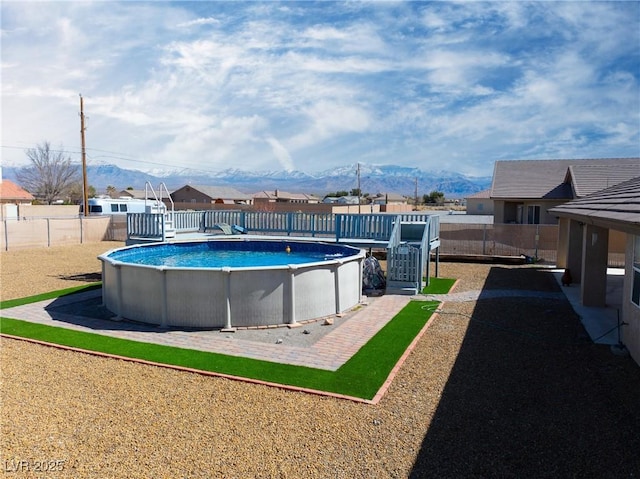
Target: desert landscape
{"x":497,"y":387}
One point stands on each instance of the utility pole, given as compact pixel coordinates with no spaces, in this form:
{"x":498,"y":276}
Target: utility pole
{"x":416,"y":195}
{"x":85,"y":200}
{"x":359,"y":192}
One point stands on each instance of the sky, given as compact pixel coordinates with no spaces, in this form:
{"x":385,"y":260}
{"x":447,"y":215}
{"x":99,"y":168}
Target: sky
{"x":313,"y":86}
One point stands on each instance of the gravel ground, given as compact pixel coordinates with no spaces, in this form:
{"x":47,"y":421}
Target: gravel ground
{"x":499,"y":387}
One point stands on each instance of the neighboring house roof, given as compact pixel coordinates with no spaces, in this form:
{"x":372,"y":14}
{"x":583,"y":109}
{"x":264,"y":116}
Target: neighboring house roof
{"x":617,"y":207}
{"x":9,"y":191}
{"x":587,"y":179}
{"x":393,"y":197}
{"x":348,"y":200}
{"x":343,"y":200}
{"x":285,"y":195}
{"x":480,"y":195}
{"x":222,"y":192}
{"x":139,"y":194}
{"x":545,"y":179}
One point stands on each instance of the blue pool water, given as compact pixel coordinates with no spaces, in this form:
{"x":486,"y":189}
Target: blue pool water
{"x":233,"y":254}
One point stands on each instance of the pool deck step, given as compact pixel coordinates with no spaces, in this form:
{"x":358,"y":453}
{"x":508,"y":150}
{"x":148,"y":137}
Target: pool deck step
{"x":401,"y":287}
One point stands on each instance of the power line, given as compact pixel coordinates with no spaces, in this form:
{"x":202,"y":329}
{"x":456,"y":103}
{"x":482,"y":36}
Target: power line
{"x":118,"y":156}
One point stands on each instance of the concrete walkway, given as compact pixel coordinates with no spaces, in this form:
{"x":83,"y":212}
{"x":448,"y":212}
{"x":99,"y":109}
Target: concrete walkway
{"x":600,"y":323}
{"x":489,"y":294}
{"x":330,"y":352}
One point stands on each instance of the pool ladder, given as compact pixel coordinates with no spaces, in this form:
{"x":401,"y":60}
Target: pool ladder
{"x":159,"y":206}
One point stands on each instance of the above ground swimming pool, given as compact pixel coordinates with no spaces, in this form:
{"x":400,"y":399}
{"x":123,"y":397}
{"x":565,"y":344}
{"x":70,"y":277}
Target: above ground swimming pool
{"x":227,"y":283}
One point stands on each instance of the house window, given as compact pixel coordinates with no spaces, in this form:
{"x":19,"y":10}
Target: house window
{"x":480,"y":207}
{"x":635,"y":284}
{"x":533,"y":215}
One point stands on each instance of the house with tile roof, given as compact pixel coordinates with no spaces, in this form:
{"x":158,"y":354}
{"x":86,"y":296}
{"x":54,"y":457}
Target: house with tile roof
{"x":198,"y":196}
{"x":10,"y":193}
{"x":524,"y":190}
{"x":279,"y":196}
{"x":388,"y":199}
{"x":135,"y":194}
{"x":12,"y":196}
{"x":584,"y":230}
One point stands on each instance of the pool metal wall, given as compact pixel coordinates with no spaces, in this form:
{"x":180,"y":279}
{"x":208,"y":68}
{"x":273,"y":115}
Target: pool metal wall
{"x":231,"y":297}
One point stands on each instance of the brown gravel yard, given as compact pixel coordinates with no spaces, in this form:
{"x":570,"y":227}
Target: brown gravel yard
{"x":498,"y":387}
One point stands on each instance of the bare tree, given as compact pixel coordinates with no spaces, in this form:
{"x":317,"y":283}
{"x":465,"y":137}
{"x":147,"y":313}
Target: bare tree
{"x":50,"y":175}
{"x":75,"y":192}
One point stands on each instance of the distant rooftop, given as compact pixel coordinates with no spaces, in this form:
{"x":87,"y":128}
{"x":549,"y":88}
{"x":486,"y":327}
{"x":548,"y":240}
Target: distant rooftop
{"x":588,"y":179}
{"x":284,"y":195}
{"x":224,"y":192}
{"x":485,"y":194}
{"x":546,"y":179}
{"x":9,"y":191}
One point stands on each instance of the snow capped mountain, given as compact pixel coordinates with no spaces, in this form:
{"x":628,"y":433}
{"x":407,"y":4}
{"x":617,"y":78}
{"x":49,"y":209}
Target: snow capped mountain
{"x":392,"y":170}
{"x":343,"y":171}
{"x":169,"y":172}
{"x":373,"y":179}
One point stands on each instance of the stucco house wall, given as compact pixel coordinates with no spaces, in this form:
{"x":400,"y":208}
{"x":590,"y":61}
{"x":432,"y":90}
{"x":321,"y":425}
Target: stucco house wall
{"x":630,"y":331}
{"x":586,"y":226}
{"x":480,"y":203}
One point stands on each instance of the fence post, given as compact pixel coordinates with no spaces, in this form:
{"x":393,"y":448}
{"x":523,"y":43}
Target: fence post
{"x":484,"y":239}
{"x":6,"y":236}
{"x":48,"y":234}
{"x":292,"y":295}
{"x":81,"y":231}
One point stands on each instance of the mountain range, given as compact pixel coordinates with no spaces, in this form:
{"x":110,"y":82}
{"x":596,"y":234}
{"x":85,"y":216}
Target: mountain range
{"x":373,"y":179}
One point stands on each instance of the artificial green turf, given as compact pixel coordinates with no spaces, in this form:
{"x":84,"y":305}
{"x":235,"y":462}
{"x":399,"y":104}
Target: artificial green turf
{"x":438,"y":286}
{"x":361,"y":376}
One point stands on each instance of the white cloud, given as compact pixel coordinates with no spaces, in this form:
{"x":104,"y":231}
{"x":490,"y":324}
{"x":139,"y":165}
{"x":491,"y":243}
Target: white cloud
{"x":281,"y":154}
{"x":356,"y":38}
{"x":343,"y":65}
{"x":313,"y":85}
{"x":199,"y":22}
{"x":327,"y":119}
